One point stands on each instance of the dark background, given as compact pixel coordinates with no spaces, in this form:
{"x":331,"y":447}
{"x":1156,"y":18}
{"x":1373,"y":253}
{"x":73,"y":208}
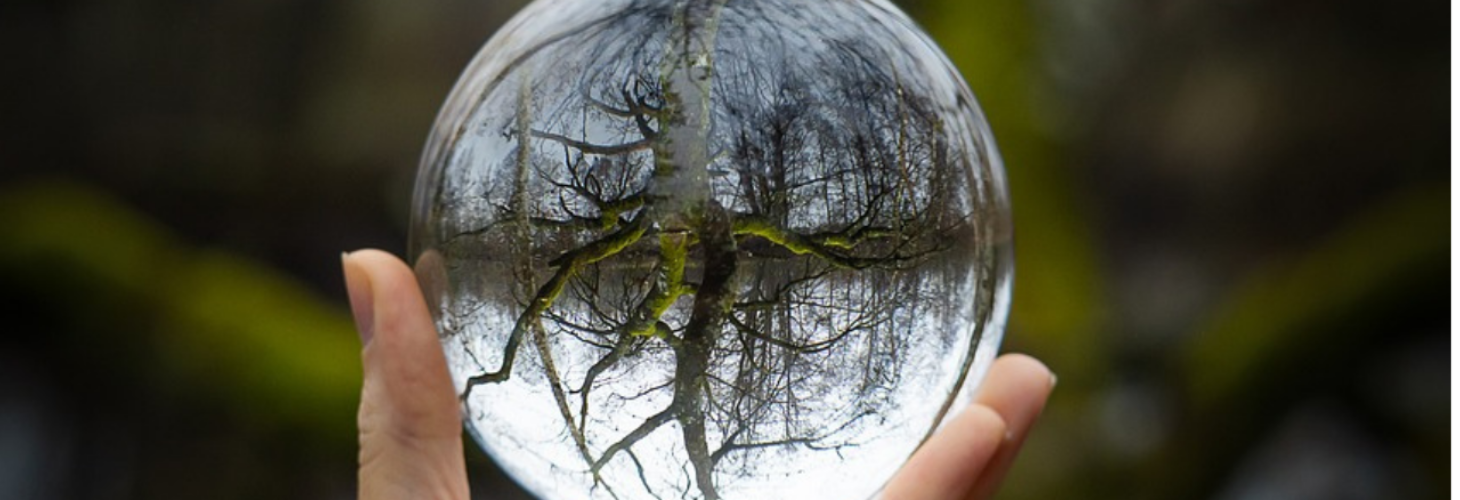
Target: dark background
{"x":1232,"y":219}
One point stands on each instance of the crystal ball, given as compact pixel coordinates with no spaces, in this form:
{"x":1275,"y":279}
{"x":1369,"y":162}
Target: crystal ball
{"x":717,"y":249}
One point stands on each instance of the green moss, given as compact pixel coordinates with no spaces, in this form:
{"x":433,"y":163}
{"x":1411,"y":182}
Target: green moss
{"x":673,"y":253}
{"x":608,"y":247}
{"x":611,"y":211}
{"x":763,"y":229}
{"x":847,"y":242}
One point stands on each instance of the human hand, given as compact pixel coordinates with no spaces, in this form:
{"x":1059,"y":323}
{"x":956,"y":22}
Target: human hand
{"x":410,"y":420}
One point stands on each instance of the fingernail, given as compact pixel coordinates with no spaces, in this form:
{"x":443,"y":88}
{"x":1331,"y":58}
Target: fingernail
{"x":357,"y":284}
{"x":1053,"y":380}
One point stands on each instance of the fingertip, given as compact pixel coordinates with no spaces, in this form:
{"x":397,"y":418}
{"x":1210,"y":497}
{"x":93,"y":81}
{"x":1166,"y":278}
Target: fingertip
{"x":362,"y":301}
{"x":1017,"y":388}
{"x":1028,"y":367}
{"x":394,"y":293}
{"x":403,"y":362}
{"x":382,"y":268}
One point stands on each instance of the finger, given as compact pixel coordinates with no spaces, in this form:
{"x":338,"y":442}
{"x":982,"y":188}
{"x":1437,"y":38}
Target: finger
{"x":410,"y":424}
{"x":947,"y":465}
{"x":1016,"y":388}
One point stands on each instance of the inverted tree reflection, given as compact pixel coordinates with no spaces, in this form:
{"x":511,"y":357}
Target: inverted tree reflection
{"x":741,"y":261}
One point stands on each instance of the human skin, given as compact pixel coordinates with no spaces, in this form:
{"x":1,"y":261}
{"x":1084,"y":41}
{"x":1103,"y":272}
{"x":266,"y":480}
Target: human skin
{"x":410,"y":421}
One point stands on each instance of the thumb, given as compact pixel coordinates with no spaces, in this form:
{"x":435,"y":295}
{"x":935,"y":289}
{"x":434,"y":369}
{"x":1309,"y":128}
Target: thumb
{"x":410,"y":422}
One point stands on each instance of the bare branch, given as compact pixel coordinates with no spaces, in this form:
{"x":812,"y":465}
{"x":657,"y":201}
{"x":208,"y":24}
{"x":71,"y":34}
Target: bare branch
{"x":640,"y":432}
{"x":597,"y":149}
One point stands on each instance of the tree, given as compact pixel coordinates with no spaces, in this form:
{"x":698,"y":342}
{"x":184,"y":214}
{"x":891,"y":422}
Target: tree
{"x":750,"y":244}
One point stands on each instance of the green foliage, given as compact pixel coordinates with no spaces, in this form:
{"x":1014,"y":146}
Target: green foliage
{"x":1269,"y":318}
{"x":218,"y":327}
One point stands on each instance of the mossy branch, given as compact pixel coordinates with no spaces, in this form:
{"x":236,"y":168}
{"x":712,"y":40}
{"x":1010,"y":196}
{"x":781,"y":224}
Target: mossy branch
{"x":826,"y":247}
{"x":673,"y":252}
{"x":568,"y":264}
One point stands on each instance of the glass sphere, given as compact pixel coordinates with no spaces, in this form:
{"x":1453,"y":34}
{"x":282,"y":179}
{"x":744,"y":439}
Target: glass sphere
{"x":743,"y":249}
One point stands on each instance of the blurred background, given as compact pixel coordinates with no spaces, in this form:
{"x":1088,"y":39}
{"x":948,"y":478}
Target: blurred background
{"x":1232,"y":219}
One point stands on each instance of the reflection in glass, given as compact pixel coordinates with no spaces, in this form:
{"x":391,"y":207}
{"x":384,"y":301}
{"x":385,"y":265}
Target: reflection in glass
{"x":709,"y":248}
